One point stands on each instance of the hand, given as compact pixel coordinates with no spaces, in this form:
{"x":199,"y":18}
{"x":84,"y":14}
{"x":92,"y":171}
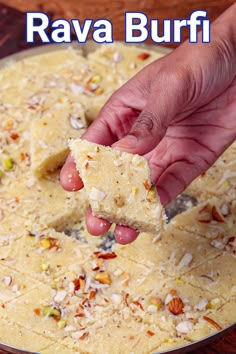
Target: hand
{"x":179,"y":112}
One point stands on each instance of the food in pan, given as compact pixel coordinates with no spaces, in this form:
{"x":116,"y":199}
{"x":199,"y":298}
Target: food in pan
{"x":62,"y":290}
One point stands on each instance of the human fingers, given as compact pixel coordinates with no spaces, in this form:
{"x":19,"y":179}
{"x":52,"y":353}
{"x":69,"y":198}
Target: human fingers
{"x":125,"y":235}
{"x":69,"y":176}
{"x":96,"y":226}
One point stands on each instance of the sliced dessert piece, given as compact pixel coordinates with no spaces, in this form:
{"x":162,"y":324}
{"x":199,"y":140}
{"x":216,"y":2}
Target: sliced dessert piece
{"x":126,"y":60}
{"x":216,"y":275}
{"x":174,"y":254}
{"x":45,"y":202}
{"x":50,"y":133}
{"x":44,"y":254}
{"x":119,"y":186}
{"x":21,"y":338}
{"x":214,"y":220}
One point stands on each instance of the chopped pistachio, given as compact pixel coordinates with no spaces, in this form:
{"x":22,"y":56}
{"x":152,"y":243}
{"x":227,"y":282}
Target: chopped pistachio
{"x":134,"y":190}
{"x":1,"y":173}
{"x":95,"y":79}
{"x":156,"y":301}
{"x":50,"y":311}
{"x":61,"y":324}
{"x":214,"y":303}
{"x":8,"y":164}
{"x":44,"y":266}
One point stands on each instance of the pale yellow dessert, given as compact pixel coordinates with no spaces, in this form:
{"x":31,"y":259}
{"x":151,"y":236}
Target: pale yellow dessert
{"x":44,"y":202}
{"x":214,"y":220}
{"x":127,"y":60}
{"x":59,"y":294}
{"x":213,"y":321}
{"x":49,"y":135}
{"x":118,"y":185}
{"x":19,"y":337}
{"x":218,"y":180}
{"x":12,"y":227}
{"x":176,"y":253}
{"x":44,"y":254}
{"x":13,"y":285}
{"x":216,"y":275}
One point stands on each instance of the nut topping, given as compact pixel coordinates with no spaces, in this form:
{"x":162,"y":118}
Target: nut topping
{"x":103,"y":277}
{"x":216,"y":214}
{"x":175,"y":306}
{"x":143,"y":56}
{"x":119,"y":200}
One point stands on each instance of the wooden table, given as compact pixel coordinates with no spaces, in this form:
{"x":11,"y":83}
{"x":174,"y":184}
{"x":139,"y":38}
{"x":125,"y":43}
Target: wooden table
{"x":12,"y":40}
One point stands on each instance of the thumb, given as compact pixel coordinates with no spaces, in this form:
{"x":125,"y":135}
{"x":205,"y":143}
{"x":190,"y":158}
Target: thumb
{"x":147,"y":131}
{"x":165,"y":101}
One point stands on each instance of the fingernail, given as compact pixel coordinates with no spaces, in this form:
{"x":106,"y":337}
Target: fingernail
{"x":128,"y":143}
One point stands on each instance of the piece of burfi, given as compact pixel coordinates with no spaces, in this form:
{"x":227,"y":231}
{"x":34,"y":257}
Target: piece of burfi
{"x":44,"y":254}
{"x":126,"y":60}
{"x":171,"y":344}
{"x":174,"y":254}
{"x":216,"y":275}
{"x":12,"y":227}
{"x":118,"y":185}
{"x":49,"y":135}
{"x":21,"y":338}
{"x":116,"y":335}
{"x":175,"y":302}
{"x":58,"y":348}
{"x":214,"y":320}
{"x":34,"y":312}
{"x":13,"y":284}
{"x":45,"y":202}
{"x":214,"y":220}
{"x":218,"y":180}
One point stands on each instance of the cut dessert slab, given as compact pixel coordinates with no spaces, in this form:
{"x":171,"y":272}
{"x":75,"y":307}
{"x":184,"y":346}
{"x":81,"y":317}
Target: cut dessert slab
{"x":214,"y":220}
{"x":44,"y":202}
{"x":116,"y":335}
{"x":119,"y":186}
{"x":174,"y":254}
{"x":214,"y":320}
{"x":13,"y":284}
{"x":44,"y":254}
{"x":216,"y":275}
{"x":50,"y":132}
{"x":125,"y":60}
{"x":19,"y":337}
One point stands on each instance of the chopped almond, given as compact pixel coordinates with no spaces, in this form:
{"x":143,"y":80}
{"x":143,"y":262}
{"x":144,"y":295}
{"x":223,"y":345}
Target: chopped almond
{"x":92,"y":294}
{"x":108,"y":255}
{"x":103,"y":277}
{"x":216,"y":214}
{"x":150,"y":333}
{"x":84,"y":336}
{"x":175,"y":306}
{"x":146,"y":184}
{"x":212,"y":322}
{"x":137,"y":303}
{"x":14,"y":136}
{"x":37,"y":311}
{"x":143,"y":55}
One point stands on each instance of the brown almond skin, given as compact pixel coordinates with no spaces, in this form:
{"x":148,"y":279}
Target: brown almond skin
{"x":217,"y":215}
{"x":175,"y":306}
